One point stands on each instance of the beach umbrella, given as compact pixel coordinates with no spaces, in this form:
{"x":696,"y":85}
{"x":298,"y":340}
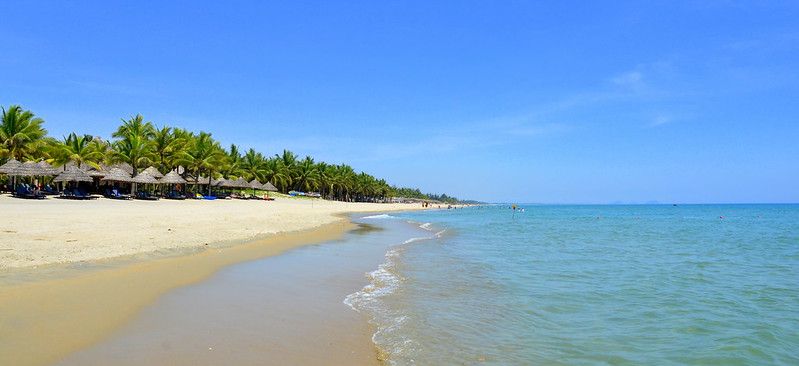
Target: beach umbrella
{"x":269,"y":187}
{"x":46,"y":169}
{"x":127,"y":168}
{"x":92,"y":172}
{"x":227,"y":183}
{"x":9,"y":166}
{"x":153,"y":172}
{"x":172,"y":178}
{"x":144,"y":178}
{"x":117,"y":175}
{"x":73,"y":174}
{"x":241,"y":183}
{"x":26,"y":169}
{"x":254,"y":184}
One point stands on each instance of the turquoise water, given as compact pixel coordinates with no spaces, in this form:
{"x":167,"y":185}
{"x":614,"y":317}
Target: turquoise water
{"x":591,"y":285}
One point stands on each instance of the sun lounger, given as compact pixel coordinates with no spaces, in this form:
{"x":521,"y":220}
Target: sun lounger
{"x":141,"y":195}
{"x":26,"y":193}
{"x":174,"y":195}
{"x":114,"y":194}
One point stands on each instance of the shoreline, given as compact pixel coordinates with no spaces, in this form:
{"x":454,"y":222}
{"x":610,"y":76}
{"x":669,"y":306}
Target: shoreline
{"x":49,"y":316}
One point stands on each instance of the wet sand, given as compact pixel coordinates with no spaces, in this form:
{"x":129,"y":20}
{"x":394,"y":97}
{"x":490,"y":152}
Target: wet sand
{"x":280,"y":310}
{"x":43,"y":321}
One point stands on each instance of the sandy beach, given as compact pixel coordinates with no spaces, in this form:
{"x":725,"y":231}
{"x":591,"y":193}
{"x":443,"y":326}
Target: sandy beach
{"x":88,"y":268}
{"x":36,"y":233}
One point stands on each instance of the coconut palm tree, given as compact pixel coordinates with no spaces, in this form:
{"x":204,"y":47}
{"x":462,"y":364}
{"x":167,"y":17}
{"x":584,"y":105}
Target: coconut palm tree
{"x":275,"y":173}
{"x":306,"y":176}
{"x":135,"y":126}
{"x":167,"y":145}
{"x":134,"y":143}
{"x":253,"y":165}
{"x":20,"y":133}
{"x":233,"y":166}
{"x":80,"y":149}
{"x":204,"y":155}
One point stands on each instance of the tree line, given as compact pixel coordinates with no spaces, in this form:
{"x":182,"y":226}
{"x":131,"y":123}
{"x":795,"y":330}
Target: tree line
{"x":142,"y":144}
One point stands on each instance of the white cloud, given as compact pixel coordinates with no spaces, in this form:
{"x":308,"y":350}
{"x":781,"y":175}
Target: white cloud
{"x":660,"y":120}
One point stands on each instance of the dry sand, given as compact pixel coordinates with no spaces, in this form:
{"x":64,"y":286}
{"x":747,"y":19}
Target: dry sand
{"x":36,"y":233}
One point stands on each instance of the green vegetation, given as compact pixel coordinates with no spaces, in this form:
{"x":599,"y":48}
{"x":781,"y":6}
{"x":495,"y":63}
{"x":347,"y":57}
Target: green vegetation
{"x":141,"y":144}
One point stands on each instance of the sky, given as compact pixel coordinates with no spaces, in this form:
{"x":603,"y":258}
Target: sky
{"x":499,"y":101}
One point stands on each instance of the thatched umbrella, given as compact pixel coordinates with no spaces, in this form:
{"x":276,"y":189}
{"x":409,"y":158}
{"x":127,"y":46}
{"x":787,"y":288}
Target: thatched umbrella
{"x":46,"y":168}
{"x":127,"y":168}
{"x":27,"y":169}
{"x":144,"y":178}
{"x":73,"y":174}
{"x":254,"y":184}
{"x":172,"y":178}
{"x":241,"y":183}
{"x":92,"y":172}
{"x":227,"y":183}
{"x":9,"y":166}
{"x":153,"y":172}
{"x":117,"y":175}
{"x":268,"y":187}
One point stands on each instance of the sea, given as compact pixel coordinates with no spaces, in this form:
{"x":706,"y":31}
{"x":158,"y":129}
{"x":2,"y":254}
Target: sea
{"x":588,"y":285}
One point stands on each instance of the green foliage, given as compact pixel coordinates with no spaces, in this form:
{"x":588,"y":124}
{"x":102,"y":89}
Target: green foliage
{"x":21,"y":134}
{"x":141,"y":144}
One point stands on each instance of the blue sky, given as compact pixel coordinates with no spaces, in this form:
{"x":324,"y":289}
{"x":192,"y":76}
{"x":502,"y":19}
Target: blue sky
{"x":498,"y":101}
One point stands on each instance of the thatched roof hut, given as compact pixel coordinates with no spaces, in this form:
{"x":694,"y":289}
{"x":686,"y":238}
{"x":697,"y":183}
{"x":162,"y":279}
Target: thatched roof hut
{"x":172,"y":178}
{"x":29,"y":169}
{"x":46,"y":168}
{"x":9,"y":166}
{"x":241,"y":183}
{"x":127,"y":168}
{"x":268,"y":186}
{"x":153,"y":172}
{"x":73,"y":174}
{"x":255,"y":184}
{"x":117,"y":175}
{"x":144,"y":178}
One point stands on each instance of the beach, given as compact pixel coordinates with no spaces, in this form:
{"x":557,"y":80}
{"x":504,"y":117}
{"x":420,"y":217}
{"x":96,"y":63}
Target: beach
{"x":36,"y":233}
{"x":75,"y":272}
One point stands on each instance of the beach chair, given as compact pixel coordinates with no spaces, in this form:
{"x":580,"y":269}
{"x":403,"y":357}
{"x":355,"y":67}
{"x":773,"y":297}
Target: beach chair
{"x":174,"y":195}
{"x":27,"y":193}
{"x":80,"y":194}
{"x":114,"y":194}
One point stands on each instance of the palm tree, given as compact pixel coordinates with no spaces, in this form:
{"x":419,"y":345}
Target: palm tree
{"x":277,"y":174}
{"x":306,"y":175}
{"x":80,"y":149}
{"x":135,"y":126}
{"x":233,"y":166}
{"x":20,"y":132}
{"x":204,"y":155}
{"x":167,"y":145}
{"x":253,"y":165}
{"x":134,"y":146}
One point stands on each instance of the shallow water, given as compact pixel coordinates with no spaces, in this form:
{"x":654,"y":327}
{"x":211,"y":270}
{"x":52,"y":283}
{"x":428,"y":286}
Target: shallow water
{"x":591,"y":285}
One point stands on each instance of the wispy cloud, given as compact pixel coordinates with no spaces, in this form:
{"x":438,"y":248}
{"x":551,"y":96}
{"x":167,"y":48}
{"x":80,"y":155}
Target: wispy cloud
{"x":660,"y":120}
{"x":630,"y":79}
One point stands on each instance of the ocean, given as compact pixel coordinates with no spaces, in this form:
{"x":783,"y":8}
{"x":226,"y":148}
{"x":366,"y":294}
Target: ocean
{"x":589,"y":285}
